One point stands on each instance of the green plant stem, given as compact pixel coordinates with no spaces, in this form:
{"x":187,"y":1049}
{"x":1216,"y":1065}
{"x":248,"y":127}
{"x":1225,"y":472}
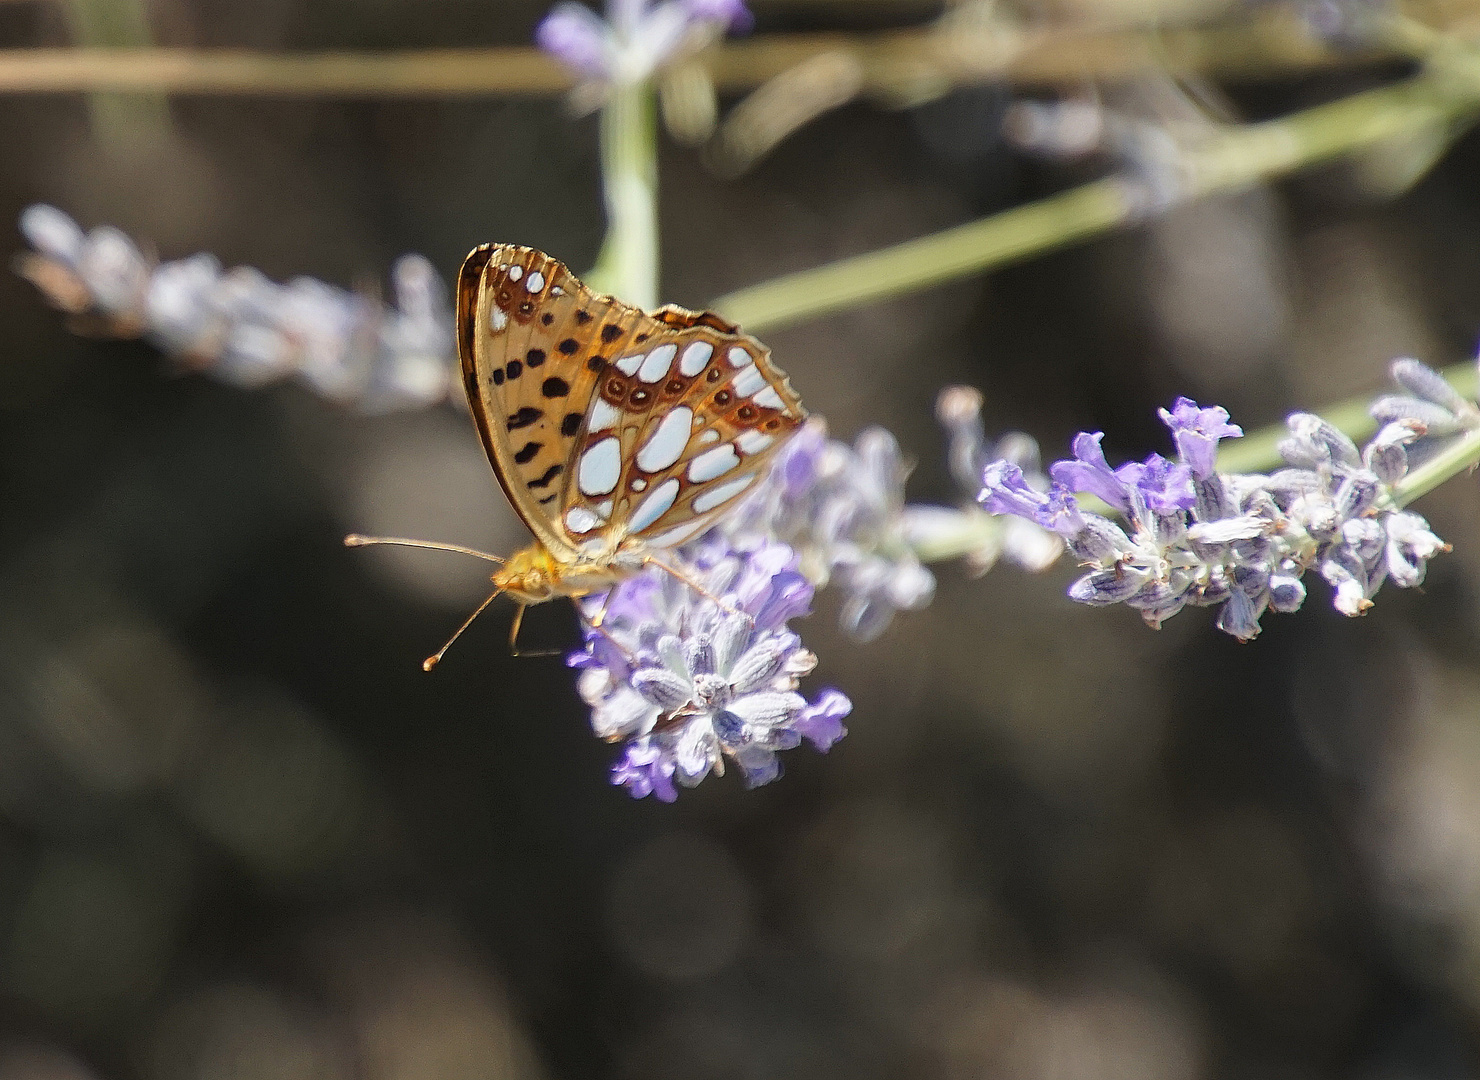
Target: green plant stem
{"x":1458,"y":456}
{"x":1224,"y":161}
{"x":628,"y":263}
{"x":119,"y":120}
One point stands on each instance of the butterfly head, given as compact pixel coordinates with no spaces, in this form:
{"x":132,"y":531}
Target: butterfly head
{"x":534,"y":575}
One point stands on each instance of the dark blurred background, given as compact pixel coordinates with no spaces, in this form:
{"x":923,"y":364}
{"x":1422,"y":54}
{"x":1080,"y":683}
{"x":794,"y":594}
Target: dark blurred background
{"x":243,"y":836}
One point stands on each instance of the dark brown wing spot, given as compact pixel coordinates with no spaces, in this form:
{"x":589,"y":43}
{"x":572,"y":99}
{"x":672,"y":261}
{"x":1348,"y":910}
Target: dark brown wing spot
{"x":497,"y":376}
{"x":570,"y":346}
{"x":547,"y":318}
{"x":582,"y":318}
{"x":640,"y":338}
{"x":610,"y":332}
{"x":554,"y":386}
{"x":526,"y":453}
{"x":515,"y":369}
{"x":596,"y":363}
{"x":547,"y":498}
{"x":550,"y":474}
{"x":535,"y":357}
{"x":571,"y":424}
{"x":722,"y":398}
{"x":524,"y":417}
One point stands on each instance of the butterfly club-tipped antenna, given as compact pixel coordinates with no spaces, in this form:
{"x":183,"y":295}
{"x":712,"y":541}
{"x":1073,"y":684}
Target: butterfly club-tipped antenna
{"x":356,"y":540}
{"x":436,"y":657}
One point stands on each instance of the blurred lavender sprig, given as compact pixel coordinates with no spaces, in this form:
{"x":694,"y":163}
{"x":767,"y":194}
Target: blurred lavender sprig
{"x":688,"y":680}
{"x":245,"y":329}
{"x":1184,"y":533}
{"x":637,"y":37}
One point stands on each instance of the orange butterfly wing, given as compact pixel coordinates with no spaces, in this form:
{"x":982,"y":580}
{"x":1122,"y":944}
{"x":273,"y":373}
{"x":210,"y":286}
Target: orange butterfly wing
{"x":603,"y":422}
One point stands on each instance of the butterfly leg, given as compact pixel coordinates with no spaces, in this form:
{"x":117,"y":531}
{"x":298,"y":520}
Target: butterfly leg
{"x":605,"y":607}
{"x":514,"y":636}
{"x":719,"y":602}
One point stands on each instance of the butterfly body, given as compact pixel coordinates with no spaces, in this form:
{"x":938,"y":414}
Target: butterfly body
{"x":615,"y":433}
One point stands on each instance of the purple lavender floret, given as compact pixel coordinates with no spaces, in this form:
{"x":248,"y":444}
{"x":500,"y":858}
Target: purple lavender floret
{"x":577,"y":37}
{"x":1196,"y":432}
{"x":1163,"y":486}
{"x":637,"y":37}
{"x":1006,"y":491}
{"x":690,"y":683}
{"x":1090,"y":473}
{"x":842,"y":509}
{"x":1191,"y":535}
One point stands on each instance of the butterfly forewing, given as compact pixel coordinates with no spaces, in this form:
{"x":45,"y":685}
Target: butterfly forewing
{"x":603,"y":421}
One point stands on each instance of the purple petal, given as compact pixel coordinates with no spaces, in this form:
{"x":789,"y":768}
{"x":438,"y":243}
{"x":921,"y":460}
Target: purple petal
{"x":1196,"y":432}
{"x":1165,"y":486}
{"x":576,"y":36}
{"x":731,"y":14}
{"x":821,"y":723}
{"x":645,"y":770}
{"x":1090,"y":472}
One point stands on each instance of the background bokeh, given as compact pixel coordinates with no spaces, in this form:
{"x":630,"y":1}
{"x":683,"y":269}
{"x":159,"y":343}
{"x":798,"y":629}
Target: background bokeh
{"x":244,"y":837}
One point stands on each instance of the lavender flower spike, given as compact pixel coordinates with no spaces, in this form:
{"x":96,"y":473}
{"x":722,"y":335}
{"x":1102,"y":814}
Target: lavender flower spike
{"x":242,"y":328}
{"x":690,"y":684}
{"x":1192,"y":535}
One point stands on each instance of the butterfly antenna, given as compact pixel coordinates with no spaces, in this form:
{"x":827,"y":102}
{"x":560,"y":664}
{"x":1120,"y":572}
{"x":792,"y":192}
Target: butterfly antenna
{"x":356,"y":540}
{"x":436,"y":658}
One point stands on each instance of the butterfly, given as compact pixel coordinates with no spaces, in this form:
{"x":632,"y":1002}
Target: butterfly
{"x":615,"y":433}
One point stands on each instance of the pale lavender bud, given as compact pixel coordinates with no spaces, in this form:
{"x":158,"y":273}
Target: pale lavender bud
{"x":1313,"y":442}
{"x":1424,"y":381}
{"x":52,"y":233}
{"x":1239,"y":616}
{"x":1099,"y":540}
{"x":1399,"y":407}
{"x":1357,"y":493}
{"x":114,"y":271}
{"x":1103,"y":587}
{"x":1286,"y":592}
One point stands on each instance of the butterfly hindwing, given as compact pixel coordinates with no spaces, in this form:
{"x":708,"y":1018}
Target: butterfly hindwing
{"x":603,"y":421}
{"x":696,"y":410}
